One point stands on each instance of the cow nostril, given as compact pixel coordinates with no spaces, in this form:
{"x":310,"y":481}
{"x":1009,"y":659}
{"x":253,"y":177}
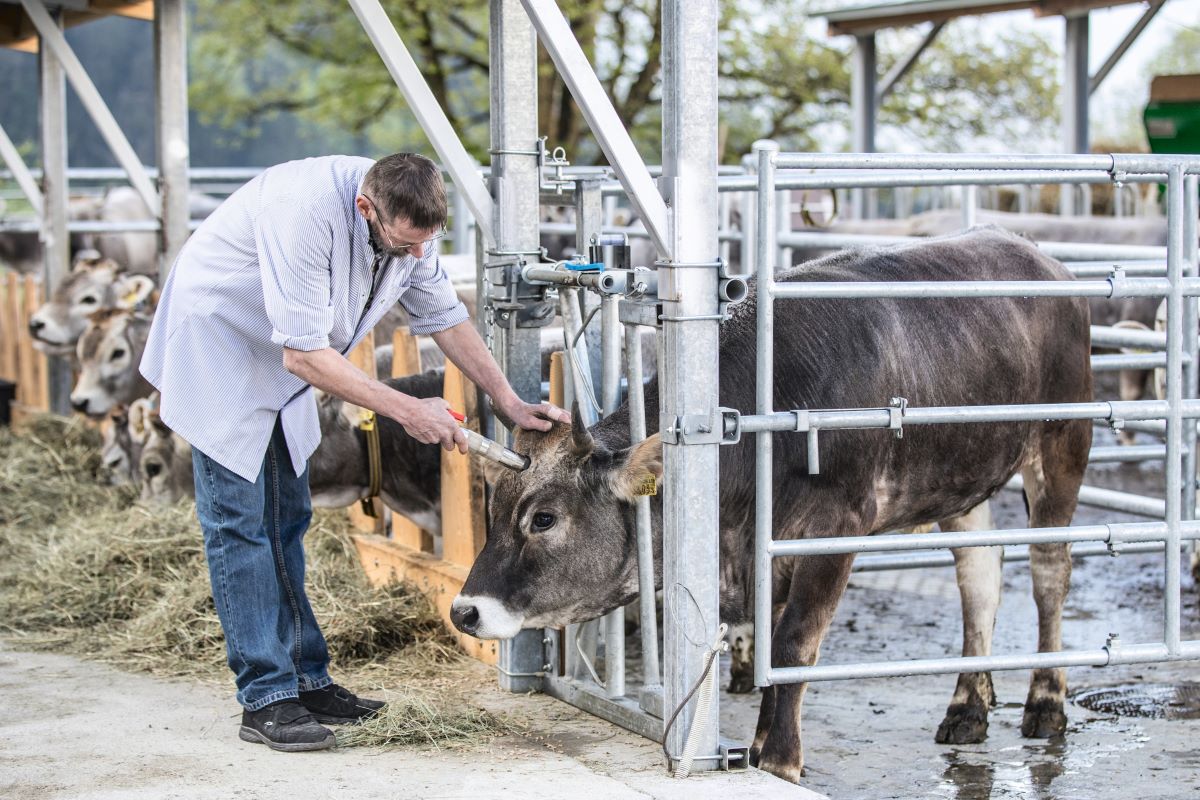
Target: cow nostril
{"x":465,"y":618}
{"x":80,"y":405}
{"x":36,"y":325}
{"x":153,"y":469}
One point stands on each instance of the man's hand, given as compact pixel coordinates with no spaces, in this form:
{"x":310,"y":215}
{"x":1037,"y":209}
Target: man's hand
{"x":428,"y":421}
{"x":529,"y":416}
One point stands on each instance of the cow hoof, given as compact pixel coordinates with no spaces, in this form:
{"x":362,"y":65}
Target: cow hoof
{"x":963,"y":724}
{"x":740,"y":683}
{"x":790,"y":771}
{"x":1043,"y":719}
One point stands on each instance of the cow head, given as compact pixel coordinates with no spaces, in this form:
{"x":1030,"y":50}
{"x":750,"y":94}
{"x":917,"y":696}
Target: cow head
{"x":109,"y":352}
{"x":165,"y":463}
{"x":118,"y":454}
{"x":95,"y":284}
{"x":561,"y":545}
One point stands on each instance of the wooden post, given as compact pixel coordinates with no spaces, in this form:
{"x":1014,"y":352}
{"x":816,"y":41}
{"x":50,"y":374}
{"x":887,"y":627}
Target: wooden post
{"x":26,"y":374}
{"x":363,"y":357}
{"x":556,"y":379}
{"x":8,"y":330}
{"x":406,"y":360}
{"x":463,"y":505}
{"x":39,"y":398}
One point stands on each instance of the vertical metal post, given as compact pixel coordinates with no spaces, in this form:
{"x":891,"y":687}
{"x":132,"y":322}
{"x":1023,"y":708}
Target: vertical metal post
{"x":1075,"y":99}
{"x":610,"y":397}
{"x":1175,"y":348}
{"x":56,"y":242}
{"x":749,"y":230}
{"x":783,"y":213}
{"x":170,"y":61}
{"x":515,"y":191}
{"x":461,"y":235}
{"x":862,"y":105}
{"x":970,"y":205}
{"x":764,"y":404}
{"x":1191,"y":322}
{"x":647,"y":616}
{"x":724,"y":202}
{"x":689,"y":373}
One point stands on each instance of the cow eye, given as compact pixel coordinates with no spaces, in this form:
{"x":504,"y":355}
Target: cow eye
{"x":543,"y":520}
{"x":89,"y":300}
{"x":118,"y":353}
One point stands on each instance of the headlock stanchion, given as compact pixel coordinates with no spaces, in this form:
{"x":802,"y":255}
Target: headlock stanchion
{"x":1180,"y":344}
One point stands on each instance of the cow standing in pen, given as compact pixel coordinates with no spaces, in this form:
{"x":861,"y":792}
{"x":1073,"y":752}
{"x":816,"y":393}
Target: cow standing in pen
{"x":561,"y":542}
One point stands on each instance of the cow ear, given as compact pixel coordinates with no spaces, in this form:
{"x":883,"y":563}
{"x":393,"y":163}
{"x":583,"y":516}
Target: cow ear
{"x":134,"y":290}
{"x":641,"y":472}
{"x":491,"y":470}
{"x":582,"y":443}
{"x":139,"y":420}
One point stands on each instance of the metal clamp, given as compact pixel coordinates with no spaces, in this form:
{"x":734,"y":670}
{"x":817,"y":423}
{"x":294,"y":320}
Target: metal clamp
{"x":557,"y":158}
{"x":804,"y":424}
{"x":691,"y":429}
{"x":1116,"y":282}
{"x":719,"y":264}
{"x":1116,"y":425}
{"x":896,"y":408}
{"x":1111,"y":645}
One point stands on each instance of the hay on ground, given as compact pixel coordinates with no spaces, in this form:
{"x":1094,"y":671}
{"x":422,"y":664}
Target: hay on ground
{"x":85,"y":569}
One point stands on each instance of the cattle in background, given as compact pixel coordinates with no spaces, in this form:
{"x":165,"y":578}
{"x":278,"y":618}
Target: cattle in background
{"x":560,"y":546}
{"x":164,"y":462}
{"x":94,"y":284}
{"x":338,"y":470}
{"x":118,"y":450}
{"x":108,"y":352}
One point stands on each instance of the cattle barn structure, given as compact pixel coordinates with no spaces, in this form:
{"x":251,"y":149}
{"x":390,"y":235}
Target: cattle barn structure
{"x":685,"y":292}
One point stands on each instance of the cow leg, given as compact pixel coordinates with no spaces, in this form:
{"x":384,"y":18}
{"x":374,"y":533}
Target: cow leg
{"x":978,"y":573}
{"x":816,"y":587}
{"x":1051,"y":489}
{"x":741,"y":658}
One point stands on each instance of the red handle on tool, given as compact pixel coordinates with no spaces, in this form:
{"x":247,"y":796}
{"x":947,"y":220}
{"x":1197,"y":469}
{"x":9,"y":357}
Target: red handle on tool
{"x":456,"y":415}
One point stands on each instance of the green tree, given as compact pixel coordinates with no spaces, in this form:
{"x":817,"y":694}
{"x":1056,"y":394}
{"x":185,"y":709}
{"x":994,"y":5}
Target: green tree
{"x":779,"y":77}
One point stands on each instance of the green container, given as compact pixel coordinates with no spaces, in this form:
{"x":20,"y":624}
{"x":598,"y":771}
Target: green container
{"x":1173,"y":127}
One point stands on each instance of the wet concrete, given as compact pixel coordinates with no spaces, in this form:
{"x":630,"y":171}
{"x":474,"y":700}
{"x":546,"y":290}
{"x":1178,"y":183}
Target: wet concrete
{"x":874,"y":738}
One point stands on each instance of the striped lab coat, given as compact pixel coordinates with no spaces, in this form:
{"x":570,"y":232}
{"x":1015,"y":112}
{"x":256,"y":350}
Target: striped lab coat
{"x":286,"y":261}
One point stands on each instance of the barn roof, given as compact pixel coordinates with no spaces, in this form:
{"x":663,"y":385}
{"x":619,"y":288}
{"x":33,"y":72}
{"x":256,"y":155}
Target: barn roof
{"x":869,"y":17}
{"x":18,"y":33}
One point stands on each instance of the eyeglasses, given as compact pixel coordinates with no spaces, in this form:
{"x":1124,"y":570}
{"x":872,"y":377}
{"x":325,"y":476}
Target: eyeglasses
{"x":396,"y":248}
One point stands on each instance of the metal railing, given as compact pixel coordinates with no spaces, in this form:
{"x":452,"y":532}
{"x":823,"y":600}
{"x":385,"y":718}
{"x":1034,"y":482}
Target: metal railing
{"x":1181,"y":378}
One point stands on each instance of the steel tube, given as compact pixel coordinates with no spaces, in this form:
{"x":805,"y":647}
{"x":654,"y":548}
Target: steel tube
{"x":1191,"y":321}
{"x":1128,"y":287}
{"x":1174,"y":464}
{"x":429,"y":113}
{"x":1122,"y":654}
{"x":1119,"y":51}
{"x":20,"y":172}
{"x":876,"y":179}
{"x":508,"y":222}
{"x":1125,"y":337}
{"x":170,"y":90}
{"x":1121,"y":361}
{"x":1113,"y":500}
{"x":576,"y":72}
{"x":1064,"y":251}
{"x":648,"y":617}
{"x":1128,"y":453}
{"x":1074,"y":98}
{"x":764,"y":406}
{"x":610,"y":398}
{"x":1012,"y":554}
{"x":863,"y":109}
{"x":1133,"y":164}
{"x":56,"y":243}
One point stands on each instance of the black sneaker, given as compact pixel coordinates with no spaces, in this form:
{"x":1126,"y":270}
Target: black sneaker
{"x":335,"y":705}
{"x":285,"y":725}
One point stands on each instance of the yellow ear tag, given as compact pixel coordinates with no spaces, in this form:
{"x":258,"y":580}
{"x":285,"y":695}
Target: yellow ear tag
{"x":130,"y":297}
{"x":648,"y":487}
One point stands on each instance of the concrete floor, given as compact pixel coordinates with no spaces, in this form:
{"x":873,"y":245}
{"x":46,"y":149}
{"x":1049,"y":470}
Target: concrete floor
{"x":80,"y":730}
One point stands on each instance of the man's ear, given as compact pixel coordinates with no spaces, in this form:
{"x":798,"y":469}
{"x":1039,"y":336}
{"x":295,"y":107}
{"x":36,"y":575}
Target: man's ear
{"x":639,"y":476}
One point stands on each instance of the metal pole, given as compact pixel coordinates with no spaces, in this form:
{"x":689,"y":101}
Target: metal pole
{"x":905,"y":64}
{"x":429,"y":113}
{"x":1191,"y":321}
{"x":689,"y":374}
{"x":863,"y":107}
{"x":1123,"y":47}
{"x":516,"y":183}
{"x":1176,"y":227}
{"x":602,"y":118}
{"x":765,"y":403}
{"x":651,"y":675}
{"x":51,"y":36}
{"x":20,"y":172}
{"x":462,"y":233}
{"x":56,"y":242}
{"x":970,"y":205}
{"x":610,"y":398}
{"x":1075,"y":99}
{"x":170,"y":59}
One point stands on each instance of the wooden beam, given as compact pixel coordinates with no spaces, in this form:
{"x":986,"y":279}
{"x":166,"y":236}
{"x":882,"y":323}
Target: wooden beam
{"x":385,"y":561}
{"x":884,"y":20}
{"x":363,"y":357}
{"x":39,"y":394}
{"x":406,"y":360}
{"x":463,"y":505}
{"x":8,"y":330}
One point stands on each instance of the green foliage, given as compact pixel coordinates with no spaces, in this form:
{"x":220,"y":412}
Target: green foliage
{"x":1181,"y":56}
{"x":780,"y":77}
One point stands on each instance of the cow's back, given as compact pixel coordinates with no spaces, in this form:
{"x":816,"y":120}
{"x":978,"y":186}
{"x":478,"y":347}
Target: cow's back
{"x":838,"y":353}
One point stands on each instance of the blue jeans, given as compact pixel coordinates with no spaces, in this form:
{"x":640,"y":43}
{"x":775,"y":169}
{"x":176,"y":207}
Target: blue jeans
{"x":253,"y":540}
